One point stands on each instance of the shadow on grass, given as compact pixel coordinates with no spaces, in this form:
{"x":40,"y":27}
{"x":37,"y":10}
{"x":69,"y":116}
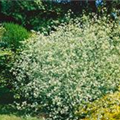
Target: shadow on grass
{"x":6,"y":98}
{"x":8,"y":112}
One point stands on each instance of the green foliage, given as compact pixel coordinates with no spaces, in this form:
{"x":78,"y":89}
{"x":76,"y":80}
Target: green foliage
{"x":22,"y":4}
{"x":16,"y":9}
{"x":2,"y":30}
{"x":6,"y":61}
{"x":5,"y":57}
{"x":13,"y":35}
{"x":31,"y":14}
{"x":112,"y":5}
{"x":106,"y":108}
{"x":45,"y":26}
{"x":10,"y":37}
{"x":40,"y":14}
{"x":70,"y":67}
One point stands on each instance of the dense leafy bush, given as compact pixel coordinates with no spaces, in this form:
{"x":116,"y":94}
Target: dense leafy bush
{"x":16,"y":9}
{"x":10,"y":37}
{"x":3,"y":55}
{"x":13,"y":35}
{"x":6,"y":61}
{"x":70,"y":67}
{"x":31,"y":14}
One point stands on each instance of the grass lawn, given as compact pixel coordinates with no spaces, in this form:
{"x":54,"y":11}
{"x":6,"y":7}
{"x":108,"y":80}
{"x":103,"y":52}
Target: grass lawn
{"x":13,"y":117}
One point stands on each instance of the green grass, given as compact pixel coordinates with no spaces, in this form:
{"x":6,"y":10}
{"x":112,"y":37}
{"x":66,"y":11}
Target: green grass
{"x":13,"y":117}
{"x":8,"y":113}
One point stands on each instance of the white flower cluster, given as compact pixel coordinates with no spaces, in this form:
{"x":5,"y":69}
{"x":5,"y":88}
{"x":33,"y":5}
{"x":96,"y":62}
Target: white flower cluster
{"x":69,"y":67}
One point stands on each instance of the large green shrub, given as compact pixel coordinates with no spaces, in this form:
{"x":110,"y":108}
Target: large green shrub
{"x":10,"y":37}
{"x":13,"y":35}
{"x":72,"y":66}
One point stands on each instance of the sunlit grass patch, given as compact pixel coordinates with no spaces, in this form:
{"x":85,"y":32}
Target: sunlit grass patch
{"x":13,"y":117}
